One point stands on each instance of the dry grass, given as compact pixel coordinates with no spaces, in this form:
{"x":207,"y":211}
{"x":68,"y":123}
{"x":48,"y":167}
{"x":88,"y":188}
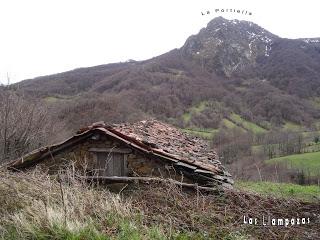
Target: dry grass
{"x":35,"y":203}
{"x":36,"y":206}
{"x":215,"y":216}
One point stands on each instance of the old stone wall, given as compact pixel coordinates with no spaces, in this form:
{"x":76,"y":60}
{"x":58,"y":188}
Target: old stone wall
{"x":81,"y":159}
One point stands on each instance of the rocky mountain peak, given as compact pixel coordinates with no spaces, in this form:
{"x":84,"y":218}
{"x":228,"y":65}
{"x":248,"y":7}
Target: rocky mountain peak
{"x":226,"y":46}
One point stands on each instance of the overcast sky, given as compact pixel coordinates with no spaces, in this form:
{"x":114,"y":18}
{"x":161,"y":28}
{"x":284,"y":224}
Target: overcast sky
{"x":41,"y":37}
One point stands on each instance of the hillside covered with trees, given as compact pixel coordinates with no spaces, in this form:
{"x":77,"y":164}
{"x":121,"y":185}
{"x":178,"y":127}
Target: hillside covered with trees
{"x":232,"y":66}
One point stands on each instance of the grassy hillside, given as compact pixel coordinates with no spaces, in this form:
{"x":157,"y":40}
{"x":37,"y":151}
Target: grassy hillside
{"x":205,"y":133}
{"x":293,"y":127}
{"x":308,"y":162}
{"x":250,"y":126}
{"x":234,"y":121}
{"x":285,"y":190}
{"x":194,"y":110}
{"x":312,"y":147}
{"x":228,"y":124}
{"x":59,"y":98}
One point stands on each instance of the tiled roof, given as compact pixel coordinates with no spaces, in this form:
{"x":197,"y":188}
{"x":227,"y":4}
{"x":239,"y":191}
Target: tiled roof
{"x":166,"y":138}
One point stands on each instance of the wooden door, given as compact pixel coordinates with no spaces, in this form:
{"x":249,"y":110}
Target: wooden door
{"x":111,"y":164}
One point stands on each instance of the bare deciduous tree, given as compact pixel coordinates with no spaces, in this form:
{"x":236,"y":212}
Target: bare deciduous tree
{"x":24,"y":124}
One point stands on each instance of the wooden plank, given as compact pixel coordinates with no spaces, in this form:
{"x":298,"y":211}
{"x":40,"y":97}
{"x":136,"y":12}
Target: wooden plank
{"x":51,"y":151}
{"x":125,"y":165}
{"x":182,"y":164}
{"x":108,"y":164}
{"x":117,"y":161}
{"x":165,"y":157}
{"x":114,"y":150}
{"x":104,"y":164}
{"x":111,"y":164}
{"x":204,"y":171}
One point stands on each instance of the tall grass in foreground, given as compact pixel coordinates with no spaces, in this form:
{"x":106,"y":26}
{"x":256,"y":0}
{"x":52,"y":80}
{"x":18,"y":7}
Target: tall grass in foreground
{"x":33,"y":206}
{"x":36,"y":206}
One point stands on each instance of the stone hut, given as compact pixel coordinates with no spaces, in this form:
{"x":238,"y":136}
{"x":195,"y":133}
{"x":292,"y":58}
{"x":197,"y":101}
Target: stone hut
{"x":132,"y":151}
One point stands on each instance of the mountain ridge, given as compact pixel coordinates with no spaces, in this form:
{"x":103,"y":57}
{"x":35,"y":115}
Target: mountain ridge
{"x":235,"y":64}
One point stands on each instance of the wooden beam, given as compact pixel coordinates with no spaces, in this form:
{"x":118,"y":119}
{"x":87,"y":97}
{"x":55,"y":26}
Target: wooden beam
{"x":204,"y":171}
{"x":182,"y":164}
{"x":21,"y":163}
{"x":116,"y":179}
{"x":114,"y":150}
